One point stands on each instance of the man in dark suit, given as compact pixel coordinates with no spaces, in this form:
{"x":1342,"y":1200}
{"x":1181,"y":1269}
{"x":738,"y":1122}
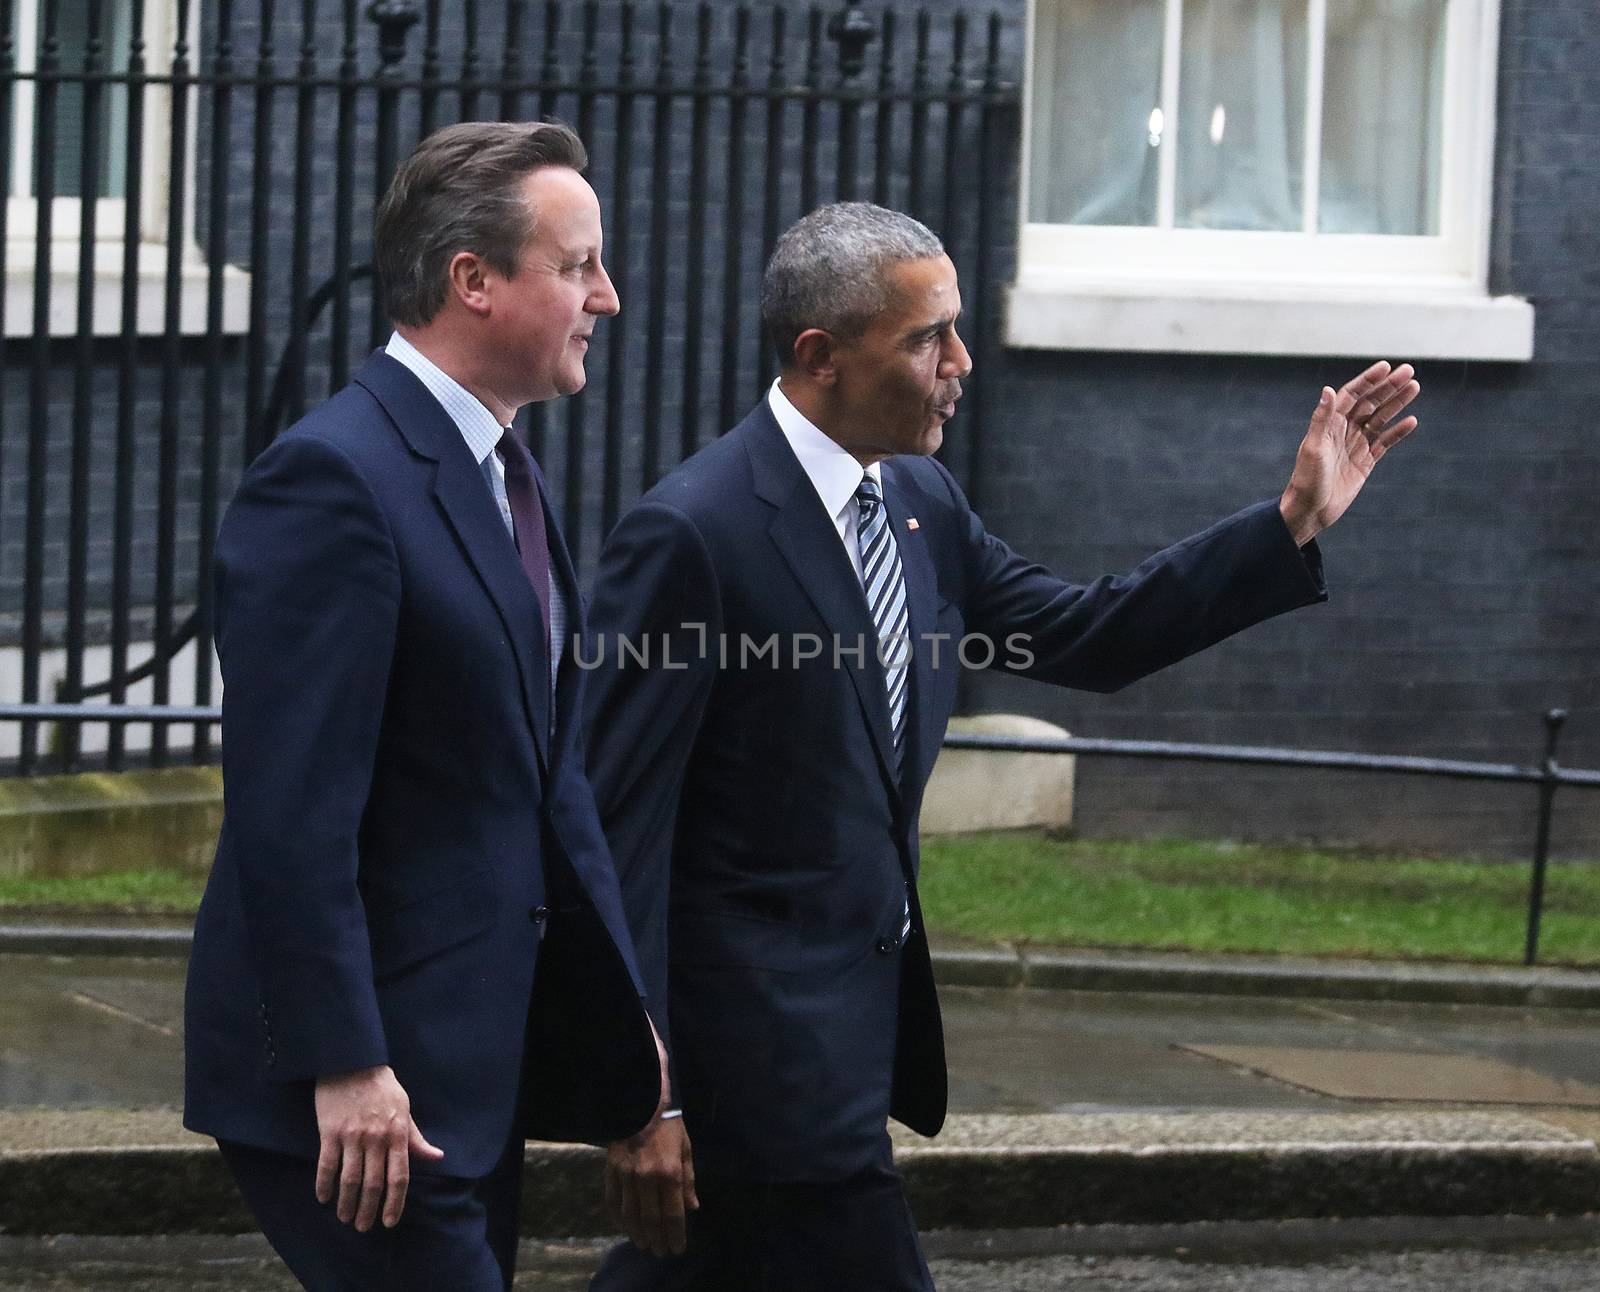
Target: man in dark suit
{"x":807,"y":589}
{"x":408,"y":827}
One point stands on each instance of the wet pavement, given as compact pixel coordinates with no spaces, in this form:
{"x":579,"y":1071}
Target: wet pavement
{"x":1053,"y":1051}
{"x":107,"y":1032}
{"x":82,"y":1033}
{"x":1490,"y":1256}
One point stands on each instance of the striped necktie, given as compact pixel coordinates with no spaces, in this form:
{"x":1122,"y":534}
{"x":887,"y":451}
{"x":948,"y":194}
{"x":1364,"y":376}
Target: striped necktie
{"x":886,"y":597}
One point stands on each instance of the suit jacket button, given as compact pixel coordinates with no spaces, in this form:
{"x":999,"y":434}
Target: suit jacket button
{"x":885,"y":945}
{"x":539,"y":914}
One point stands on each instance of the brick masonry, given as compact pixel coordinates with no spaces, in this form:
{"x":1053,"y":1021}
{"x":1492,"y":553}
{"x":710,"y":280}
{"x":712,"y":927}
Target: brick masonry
{"x":1465,"y":586}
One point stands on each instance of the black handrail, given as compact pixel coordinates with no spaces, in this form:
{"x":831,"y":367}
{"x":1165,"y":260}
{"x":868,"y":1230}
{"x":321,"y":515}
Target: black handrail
{"x":1548,"y":776}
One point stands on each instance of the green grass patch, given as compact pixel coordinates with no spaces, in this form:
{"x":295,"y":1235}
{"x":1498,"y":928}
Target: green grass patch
{"x":1172,"y":894}
{"x":1186,"y":895}
{"x":132,"y":892}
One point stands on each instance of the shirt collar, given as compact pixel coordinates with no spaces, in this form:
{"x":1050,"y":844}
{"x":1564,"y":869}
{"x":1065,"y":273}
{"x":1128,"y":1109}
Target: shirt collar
{"x":475,"y":422}
{"x":833,"y":471}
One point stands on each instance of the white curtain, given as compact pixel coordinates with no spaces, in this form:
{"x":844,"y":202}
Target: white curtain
{"x":1382,"y":110}
{"x":1240,"y":133}
{"x":1241,"y":114}
{"x":1097,"y":76}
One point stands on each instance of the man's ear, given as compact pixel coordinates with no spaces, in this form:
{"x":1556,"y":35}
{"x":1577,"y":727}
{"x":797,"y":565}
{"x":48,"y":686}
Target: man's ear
{"x":816,"y":354}
{"x":468,"y":282}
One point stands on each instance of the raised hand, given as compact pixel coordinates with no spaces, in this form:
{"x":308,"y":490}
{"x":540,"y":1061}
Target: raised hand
{"x":1352,"y":428}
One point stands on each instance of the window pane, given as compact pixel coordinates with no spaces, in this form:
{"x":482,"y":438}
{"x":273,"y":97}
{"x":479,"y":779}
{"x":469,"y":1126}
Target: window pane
{"x":1241,"y":115}
{"x":1097,"y":80}
{"x":72,"y":35}
{"x":1382,"y":116}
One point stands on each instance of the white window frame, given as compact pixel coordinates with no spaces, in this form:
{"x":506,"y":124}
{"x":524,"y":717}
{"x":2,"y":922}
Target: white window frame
{"x":66,"y":213}
{"x":1249,"y":292}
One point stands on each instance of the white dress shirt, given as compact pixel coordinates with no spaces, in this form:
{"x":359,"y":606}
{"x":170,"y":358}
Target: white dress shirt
{"x":833,"y":471}
{"x":482,"y":431}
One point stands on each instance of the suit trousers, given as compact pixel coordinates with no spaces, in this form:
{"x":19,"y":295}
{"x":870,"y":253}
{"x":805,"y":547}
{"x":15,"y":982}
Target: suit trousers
{"x":853,"y":1235}
{"x":454,"y":1233}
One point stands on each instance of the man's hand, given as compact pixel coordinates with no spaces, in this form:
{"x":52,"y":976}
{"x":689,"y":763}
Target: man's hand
{"x":364,"y":1119}
{"x":650,"y":1186}
{"x":650,"y":1177}
{"x":1351,"y":429}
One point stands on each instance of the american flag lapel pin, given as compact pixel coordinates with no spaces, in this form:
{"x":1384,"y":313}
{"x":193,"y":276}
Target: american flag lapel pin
{"x":911,"y":522}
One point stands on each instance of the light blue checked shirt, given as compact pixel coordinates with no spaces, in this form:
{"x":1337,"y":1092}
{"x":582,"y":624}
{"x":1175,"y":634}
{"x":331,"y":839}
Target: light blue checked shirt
{"x":482,"y":432}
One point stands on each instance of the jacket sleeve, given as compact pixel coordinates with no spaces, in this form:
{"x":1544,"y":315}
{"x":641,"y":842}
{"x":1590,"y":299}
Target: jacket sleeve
{"x":308,"y":592}
{"x":656,"y":598}
{"x":1103,"y":635}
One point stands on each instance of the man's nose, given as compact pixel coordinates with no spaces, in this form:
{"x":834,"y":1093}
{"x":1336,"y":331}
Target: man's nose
{"x":956,"y":362}
{"x":603,"y":300}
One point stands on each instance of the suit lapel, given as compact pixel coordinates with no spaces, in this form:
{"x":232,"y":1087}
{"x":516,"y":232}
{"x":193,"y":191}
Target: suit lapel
{"x":805,"y":537}
{"x":567,"y":580}
{"x":470,"y":510}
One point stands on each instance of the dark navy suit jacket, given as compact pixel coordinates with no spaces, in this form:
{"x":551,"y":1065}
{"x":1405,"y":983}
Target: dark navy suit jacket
{"x":401,"y":830}
{"x":765,"y":843}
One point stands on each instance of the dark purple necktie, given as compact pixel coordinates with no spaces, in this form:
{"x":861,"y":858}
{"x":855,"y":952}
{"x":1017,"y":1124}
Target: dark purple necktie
{"x":527,"y":518}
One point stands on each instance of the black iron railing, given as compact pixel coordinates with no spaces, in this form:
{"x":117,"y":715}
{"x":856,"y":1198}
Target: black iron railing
{"x":1547,"y":776}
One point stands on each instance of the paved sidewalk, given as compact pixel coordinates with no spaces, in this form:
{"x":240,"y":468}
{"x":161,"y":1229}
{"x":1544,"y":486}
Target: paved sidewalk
{"x":1003,"y":965}
{"x":106,"y":1032}
{"x":1067,"y":1106}
{"x":970,"y":964}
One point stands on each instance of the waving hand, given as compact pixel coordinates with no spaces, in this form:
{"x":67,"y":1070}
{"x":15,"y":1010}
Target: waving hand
{"x":1352,"y":428}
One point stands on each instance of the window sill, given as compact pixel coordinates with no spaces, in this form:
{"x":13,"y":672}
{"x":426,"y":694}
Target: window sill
{"x":194,"y":286}
{"x":1054,"y":312}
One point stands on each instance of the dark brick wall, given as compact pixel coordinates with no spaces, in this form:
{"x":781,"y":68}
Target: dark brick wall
{"x":1465,"y":585}
{"x":51,"y":534}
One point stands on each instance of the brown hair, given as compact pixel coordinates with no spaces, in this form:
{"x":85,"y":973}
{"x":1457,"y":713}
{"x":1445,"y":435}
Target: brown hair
{"x":458,"y":191}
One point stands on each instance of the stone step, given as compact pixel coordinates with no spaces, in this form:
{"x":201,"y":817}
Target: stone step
{"x":88,"y":1172}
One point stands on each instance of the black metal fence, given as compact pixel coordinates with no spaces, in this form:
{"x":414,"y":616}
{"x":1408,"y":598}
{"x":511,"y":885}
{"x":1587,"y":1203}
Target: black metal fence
{"x":1546,"y":777}
{"x":193,"y":185}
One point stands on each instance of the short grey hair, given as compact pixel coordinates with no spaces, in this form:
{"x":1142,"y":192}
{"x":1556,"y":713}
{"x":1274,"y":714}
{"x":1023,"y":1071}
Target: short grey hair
{"x":829,"y":271}
{"x":459,"y":191}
